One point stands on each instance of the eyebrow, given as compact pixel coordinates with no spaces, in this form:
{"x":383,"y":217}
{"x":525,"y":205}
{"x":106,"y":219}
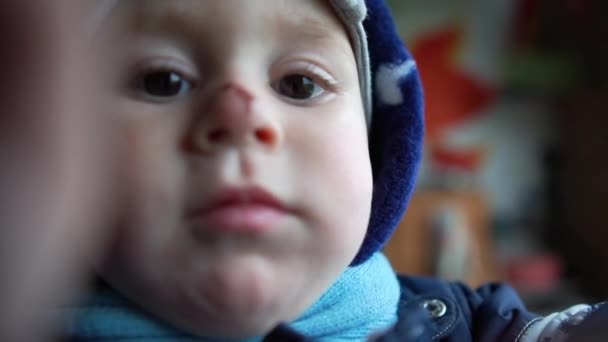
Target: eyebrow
{"x":313,"y":28}
{"x":308,"y":25}
{"x":301,"y":27}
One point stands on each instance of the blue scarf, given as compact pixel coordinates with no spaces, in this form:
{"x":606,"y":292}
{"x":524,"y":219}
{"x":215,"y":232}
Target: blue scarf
{"x":361,"y":302}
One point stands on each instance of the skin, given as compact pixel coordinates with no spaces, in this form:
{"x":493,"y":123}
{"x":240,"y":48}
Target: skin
{"x":232,"y":123}
{"x":56,"y":161}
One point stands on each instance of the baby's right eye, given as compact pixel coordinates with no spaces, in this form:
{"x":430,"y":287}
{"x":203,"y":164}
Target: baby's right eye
{"x":163,"y":84}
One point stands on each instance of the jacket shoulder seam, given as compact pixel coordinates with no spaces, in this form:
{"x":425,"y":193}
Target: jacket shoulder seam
{"x":526,"y":327}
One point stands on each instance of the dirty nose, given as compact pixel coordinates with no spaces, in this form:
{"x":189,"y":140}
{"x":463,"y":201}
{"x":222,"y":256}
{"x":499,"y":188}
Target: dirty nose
{"x":233,"y":117}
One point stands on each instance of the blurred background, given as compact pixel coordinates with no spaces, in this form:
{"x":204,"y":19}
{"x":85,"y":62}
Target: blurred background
{"x":514,"y":180}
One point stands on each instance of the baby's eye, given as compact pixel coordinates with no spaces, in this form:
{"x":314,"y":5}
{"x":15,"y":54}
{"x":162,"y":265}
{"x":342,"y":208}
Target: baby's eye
{"x":298,"y":87}
{"x":163,"y":84}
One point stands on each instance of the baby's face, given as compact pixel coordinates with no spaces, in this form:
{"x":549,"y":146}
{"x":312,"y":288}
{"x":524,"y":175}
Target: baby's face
{"x":250,"y":181}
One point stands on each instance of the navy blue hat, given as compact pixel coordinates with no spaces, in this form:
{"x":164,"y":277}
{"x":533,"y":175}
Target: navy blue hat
{"x":393,"y":100}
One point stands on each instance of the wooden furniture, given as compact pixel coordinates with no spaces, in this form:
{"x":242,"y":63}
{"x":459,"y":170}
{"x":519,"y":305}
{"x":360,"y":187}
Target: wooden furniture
{"x":419,"y":244}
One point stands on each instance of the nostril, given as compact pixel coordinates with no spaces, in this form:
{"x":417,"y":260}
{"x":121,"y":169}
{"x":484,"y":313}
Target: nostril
{"x":265,"y":136}
{"x":217,"y":135}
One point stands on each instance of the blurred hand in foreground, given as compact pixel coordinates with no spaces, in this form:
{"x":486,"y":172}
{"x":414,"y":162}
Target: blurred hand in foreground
{"x":56,"y":157}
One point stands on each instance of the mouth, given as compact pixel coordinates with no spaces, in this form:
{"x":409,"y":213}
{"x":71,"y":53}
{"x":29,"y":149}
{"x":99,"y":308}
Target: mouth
{"x":246,"y":209}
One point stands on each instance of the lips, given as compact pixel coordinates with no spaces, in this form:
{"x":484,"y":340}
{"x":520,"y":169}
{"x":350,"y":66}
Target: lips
{"x":247,"y":209}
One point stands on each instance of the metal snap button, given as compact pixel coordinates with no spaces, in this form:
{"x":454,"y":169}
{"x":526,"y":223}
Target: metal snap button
{"x":435,"y":307}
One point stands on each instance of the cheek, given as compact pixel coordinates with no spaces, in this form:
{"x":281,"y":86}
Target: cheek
{"x":148,"y":170}
{"x":349,"y":178}
{"x":151,"y":185}
{"x":146,"y":228}
{"x":334,"y":169}
{"x":151,"y":158}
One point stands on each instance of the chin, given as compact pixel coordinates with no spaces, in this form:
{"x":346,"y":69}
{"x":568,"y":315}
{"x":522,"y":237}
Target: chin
{"x":243,"y":300}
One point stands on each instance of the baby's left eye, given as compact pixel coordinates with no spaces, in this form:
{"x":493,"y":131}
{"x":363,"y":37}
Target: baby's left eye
{"x":298,"y":87}
{"x":163,"y":84}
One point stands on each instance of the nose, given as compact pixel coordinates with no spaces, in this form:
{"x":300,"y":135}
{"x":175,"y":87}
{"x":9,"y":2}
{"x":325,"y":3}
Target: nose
{"x":233,"y":116}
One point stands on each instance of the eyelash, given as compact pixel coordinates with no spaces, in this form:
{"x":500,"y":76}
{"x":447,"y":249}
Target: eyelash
{"x":138,"y":81}
{"x":321,"y":79}
{"x":319,"y":74}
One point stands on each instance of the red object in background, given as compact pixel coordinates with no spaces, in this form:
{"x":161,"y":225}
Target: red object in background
{"x":467,"y":160}
{"x":535,"y":273}
{"x":452,"y":95}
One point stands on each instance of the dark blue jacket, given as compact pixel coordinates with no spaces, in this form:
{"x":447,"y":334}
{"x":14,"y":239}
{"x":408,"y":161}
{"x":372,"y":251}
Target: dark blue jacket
{"x":435,"y":310}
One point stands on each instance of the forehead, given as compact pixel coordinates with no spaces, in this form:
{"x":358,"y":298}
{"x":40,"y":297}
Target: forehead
{"x":302,"y":18}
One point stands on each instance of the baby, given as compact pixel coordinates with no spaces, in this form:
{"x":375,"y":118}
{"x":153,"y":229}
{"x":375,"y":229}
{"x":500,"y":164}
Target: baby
{"x":253,"y":128}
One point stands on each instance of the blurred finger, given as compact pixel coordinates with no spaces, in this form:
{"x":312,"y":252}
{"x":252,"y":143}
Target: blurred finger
{"x":56,"y":154}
